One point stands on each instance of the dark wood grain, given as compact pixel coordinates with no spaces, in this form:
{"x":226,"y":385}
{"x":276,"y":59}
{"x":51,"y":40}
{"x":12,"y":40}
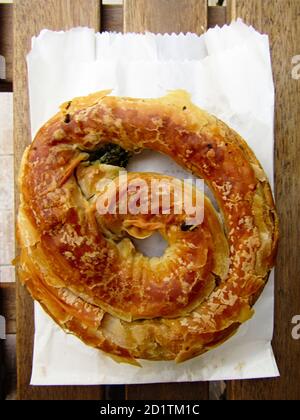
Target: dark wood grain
{"x":7,"y":346}
{"x":168,"y":391}
{"x":8,"y":310}
{"x":112,"y":18}
{"x":166,"y":16}
{"x":281,"y":21}
{"x":10,"y":376}
{"x":57,"y":15}
{"x":8,"y":306}
{"x":6,"y":38}
{"x":216,"y":16}
{"x":6,"y":86}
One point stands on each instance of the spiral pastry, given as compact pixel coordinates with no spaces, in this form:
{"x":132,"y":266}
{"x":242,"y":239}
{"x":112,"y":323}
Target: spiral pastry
{"x":81,"y":264}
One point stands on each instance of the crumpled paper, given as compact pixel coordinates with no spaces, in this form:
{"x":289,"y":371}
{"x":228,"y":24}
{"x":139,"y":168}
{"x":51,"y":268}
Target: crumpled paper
{"x":227,"y":72}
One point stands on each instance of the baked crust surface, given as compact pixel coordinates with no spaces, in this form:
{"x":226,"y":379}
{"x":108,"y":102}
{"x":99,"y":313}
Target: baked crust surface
{"x":85,"y":271}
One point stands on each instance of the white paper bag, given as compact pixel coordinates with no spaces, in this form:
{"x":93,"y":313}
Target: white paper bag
{"x":228,"y":73}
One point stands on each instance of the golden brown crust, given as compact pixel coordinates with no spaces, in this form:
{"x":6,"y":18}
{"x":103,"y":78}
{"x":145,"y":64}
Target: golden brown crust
{"x":87,"y":274}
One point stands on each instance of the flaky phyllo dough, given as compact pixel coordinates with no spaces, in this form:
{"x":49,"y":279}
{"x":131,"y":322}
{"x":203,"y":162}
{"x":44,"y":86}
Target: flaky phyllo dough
{"x":83,"y":267}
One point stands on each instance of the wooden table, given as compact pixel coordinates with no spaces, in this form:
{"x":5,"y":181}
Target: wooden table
{"x":281,"y":20}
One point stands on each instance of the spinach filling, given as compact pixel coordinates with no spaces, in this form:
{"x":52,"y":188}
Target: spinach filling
{"x":111,"y":154}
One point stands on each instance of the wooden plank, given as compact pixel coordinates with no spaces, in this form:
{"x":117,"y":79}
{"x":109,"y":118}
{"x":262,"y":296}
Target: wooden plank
{"x":281,"y":21}
{"x":216,"y":16}
{"x":8,"y":306}
{"x":8,"y":272}
{"x":6,"y":38}
{"x":112,"y":17}
{"x":6,"y":124}
{"x":166,"y":16}
{"x":7,"y":346}
{"x":7,"y":230}
{"x":30,"y":16}
{"x":217,"y":390}
{"x":168,"y":391}
{"x":10,"y":370}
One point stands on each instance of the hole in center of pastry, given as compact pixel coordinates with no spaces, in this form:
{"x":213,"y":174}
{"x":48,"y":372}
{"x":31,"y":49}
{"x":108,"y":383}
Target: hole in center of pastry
{"x":151,"y":161}
{"x":153,"y":246}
